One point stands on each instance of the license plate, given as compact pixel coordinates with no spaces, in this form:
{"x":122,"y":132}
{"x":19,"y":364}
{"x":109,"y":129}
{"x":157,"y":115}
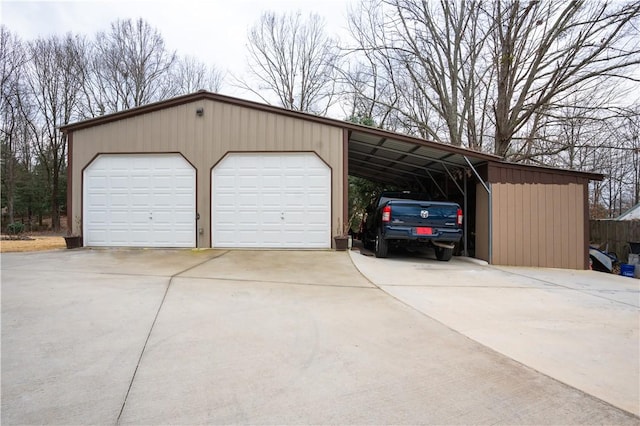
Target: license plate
{"x":424,"y":231}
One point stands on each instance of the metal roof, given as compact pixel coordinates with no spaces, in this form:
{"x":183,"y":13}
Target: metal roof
{"x":392,"y":158}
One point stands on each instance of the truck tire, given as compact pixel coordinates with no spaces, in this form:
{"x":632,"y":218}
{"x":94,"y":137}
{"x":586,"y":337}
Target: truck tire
{"x":444,"y":254}
{"x":382,"y":246}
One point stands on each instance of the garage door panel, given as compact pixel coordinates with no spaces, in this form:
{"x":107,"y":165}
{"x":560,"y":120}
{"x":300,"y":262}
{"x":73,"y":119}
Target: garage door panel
{"x":266,"y":219}
{"x":271,"y":181}
{"x":295,"y":182}
{"x":98,"y":181}
{"x":273,"y":200}
{"x":133,"y":200}
{"x":227,"y":199}
{"x":98,"y":235}
{"x":248,"y":182}
{"x":294,"y":236}
{"x":117,"y":216}
{"x":97,"y":200}
{"x":247,"y":201}
{"x":245,"y":217}
{"x":226,"y":181}
{"x":162,"y":200}
{"x":314,"y":201}
{"x":317,"y":182}
{"x":294,"y":200}
{"x":144,"y":200}
{"x":98,"y":217}
{"x":132,"y":183}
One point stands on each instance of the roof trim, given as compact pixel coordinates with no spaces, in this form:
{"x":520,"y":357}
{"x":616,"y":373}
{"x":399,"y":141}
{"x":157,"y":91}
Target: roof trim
{"x":547,"y":169}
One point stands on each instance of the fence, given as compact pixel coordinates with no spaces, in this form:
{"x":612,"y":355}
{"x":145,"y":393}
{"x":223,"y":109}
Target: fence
{"x":616,"y":234}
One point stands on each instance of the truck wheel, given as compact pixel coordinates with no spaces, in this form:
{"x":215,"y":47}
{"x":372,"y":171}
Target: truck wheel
{"x":444,"y":254}
{"x":382,"y":246}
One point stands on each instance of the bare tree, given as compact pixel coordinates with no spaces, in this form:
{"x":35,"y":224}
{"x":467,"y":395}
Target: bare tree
{"x":428,"y":59}
{"x":293,"y":59}
{"x":368,"y":86}
{"x":190,"y":75}
{"x":12,"y":61}
{"x":632,"y":136}
{"x":470,"y":75}
{"x":55,"y":82}
{"x":440,"y":50}
{"x":129,"y":66}
{"x":544,"y":50}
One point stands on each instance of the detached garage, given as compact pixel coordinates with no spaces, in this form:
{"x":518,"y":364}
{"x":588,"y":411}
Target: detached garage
{"x":207,"y":170}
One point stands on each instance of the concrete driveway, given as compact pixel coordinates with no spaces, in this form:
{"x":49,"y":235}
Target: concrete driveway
{"x":250,"y":337}
{"x":579,"y":327}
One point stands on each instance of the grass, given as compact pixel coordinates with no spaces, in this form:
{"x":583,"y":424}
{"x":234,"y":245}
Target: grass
{"x":37,"y":243}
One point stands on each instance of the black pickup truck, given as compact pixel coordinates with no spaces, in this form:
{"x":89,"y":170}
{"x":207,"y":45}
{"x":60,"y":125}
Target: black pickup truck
{"x":406,"y":219}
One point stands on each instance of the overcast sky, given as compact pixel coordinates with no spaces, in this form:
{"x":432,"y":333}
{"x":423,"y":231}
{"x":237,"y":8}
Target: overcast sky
{"x":212,"y":30}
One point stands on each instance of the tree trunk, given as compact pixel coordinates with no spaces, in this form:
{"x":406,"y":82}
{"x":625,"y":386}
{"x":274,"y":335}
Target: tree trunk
{"x":55,"y":208}
{"x":10,"y":185}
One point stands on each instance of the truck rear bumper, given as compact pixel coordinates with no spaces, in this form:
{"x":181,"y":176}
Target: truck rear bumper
{"x":391,"y":232}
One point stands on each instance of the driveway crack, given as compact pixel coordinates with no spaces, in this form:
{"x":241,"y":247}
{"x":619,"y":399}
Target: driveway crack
{"x":155,"y":319}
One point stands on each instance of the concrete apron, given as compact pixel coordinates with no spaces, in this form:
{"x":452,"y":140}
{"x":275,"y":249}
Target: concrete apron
{"x":579,"y":327}
{"x":248,"y":337}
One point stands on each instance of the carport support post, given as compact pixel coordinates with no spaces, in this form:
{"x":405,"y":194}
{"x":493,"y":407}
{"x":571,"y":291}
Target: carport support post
{"x":464,"y":196}
{"x":487,"y":187}
{"x":464,"y":218}
{"x":490,"y":224}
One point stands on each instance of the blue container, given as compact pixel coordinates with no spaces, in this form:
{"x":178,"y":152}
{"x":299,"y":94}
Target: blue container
{"x":627,"y":270}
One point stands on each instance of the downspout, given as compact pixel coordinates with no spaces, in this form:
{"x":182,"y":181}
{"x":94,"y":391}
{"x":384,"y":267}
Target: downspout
{"x":487,"y":187}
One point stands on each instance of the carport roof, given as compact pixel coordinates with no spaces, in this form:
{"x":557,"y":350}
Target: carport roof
{"x":391,"y":158}
{"x":375,"y":154}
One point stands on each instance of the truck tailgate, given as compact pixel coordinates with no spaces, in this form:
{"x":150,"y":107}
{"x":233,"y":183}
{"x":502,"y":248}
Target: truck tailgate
{"x":426,"y":213}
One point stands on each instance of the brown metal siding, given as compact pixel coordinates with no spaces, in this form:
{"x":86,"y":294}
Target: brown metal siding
{"x":538,"y":225}
{"x":205,"y":140}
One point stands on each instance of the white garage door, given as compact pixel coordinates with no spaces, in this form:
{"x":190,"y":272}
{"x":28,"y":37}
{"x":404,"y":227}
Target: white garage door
{"x":139,"y":200}
{"x":272,"y":201}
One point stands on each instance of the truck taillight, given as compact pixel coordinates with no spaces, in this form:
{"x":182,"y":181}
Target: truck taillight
{"x":386,"y":214}
{"x":459,"y":217}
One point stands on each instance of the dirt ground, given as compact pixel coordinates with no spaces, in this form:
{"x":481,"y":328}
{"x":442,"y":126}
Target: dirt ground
{"x":37,"y":243}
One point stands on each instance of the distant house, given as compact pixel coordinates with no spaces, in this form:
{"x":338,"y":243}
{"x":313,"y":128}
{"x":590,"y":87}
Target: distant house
{"x":632,"y":214}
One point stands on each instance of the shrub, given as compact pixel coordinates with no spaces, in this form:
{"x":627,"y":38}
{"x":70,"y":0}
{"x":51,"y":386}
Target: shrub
{"x":15,"y":228}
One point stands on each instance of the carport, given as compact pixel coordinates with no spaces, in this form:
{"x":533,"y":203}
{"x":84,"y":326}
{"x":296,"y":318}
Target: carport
{"x":438,"y":169}
{"x":515,"y":214}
